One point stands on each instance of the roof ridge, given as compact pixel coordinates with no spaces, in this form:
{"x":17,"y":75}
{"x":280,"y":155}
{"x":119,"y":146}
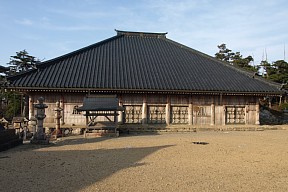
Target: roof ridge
{"x":141,"y":34}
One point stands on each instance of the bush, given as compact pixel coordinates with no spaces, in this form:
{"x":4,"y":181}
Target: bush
{"x":13,"y":106}
{"x":284,"y":106}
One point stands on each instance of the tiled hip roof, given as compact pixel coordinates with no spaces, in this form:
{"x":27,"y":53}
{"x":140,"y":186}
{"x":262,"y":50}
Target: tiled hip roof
{"x":140,"y":62}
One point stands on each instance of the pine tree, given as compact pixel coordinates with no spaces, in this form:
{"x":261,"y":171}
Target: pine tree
{"x":235,"y":59}
{"x":22,"y":61}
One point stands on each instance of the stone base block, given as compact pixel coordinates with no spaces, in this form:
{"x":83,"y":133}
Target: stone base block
{"x":40,"y":141}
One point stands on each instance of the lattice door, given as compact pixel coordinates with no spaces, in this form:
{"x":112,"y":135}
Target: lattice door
{"x":179,"y":115}
{"x":133,"y":114}
{"x":156,"y":114}
{"x":235,"y":115}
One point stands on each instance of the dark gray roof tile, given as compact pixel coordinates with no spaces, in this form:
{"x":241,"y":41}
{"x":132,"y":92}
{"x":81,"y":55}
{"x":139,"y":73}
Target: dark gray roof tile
{"x":141,"y":61}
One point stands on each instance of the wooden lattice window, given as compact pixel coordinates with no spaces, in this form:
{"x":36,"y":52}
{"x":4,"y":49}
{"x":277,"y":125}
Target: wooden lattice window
{"x":235,"y":115}
{"x":133,"y":114}
{"x":179,"y":114}
{"x":156,"y":114}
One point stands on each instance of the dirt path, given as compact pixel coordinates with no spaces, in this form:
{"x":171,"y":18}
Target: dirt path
{"x":202,"y":161}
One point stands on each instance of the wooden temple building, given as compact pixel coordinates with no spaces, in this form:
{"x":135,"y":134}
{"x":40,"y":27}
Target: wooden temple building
{"x":159,"y":83}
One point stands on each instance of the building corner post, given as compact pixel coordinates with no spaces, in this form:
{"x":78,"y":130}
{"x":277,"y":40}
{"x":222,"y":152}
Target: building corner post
{"x":257,"y":115}
{"x":212,"y":114}
{"x":62,"y":112}
{"x":120,"y":117}
{"x":144,"y":110}
{"x":190,"y":112}
{"x":168,"y":110}
{"x":31,"y":107}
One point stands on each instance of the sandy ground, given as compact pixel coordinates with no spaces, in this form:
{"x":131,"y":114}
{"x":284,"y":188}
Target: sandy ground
{"x":229,"y":161}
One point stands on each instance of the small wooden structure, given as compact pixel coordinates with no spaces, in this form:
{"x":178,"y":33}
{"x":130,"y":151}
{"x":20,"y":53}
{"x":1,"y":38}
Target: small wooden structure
{"x":20,"y":124}
{"x":97,"y":106}
{"x":4,"y":122}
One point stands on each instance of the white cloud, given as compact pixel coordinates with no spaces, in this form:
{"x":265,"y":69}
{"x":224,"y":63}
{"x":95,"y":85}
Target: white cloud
{"x":244,"y":27}
{"x":78,"y":14}
{"x":200,"y":24}
{"x":48,"y":24}
{"x":69,"y":28}
{"x":24,"y":21}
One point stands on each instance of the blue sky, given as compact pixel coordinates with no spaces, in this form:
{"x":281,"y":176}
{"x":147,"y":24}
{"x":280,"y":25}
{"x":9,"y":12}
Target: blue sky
{"x":51,"y":28}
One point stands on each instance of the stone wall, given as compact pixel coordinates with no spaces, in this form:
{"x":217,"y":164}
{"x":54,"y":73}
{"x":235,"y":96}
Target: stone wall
{"x":270,"y":117}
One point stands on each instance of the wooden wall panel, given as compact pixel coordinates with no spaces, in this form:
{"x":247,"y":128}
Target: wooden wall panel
{"x":156,"y":103}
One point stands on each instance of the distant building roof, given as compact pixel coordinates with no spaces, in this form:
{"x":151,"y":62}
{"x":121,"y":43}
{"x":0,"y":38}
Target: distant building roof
{"x":3,"y":69}
{"x":139,"y":61}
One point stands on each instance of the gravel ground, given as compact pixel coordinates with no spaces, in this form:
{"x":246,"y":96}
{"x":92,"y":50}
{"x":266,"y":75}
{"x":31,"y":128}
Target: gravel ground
{"x":201,"y":161}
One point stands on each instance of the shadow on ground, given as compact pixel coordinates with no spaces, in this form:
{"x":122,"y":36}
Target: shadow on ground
{"x":67,"y":170}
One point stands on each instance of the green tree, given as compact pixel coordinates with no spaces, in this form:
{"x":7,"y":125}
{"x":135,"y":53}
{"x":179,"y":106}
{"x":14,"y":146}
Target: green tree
{"x":276,"y":71}
{"x":3,"y":82}
{"x":12,"y":104}
{"x":280,"y":72}
{"x":22,"y":61}
{"x":235,"y":59}
{"x":268,"y":68}
{"x":224,"y":53}
{"x":244,"y":63}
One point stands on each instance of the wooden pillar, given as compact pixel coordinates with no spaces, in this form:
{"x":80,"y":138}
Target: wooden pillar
{"x":115,"y":117}
{"x":120,"y":116}
{"x":115,"y":121}
{"x":31,"y":107}
{"x":190,"y":114}
{"x":26,"y":106}
{"x":221,"y":99}
{"x":62,"y":112}
{"x":246,"y":114}
{"x":190,"y":111}
{"x":224,"y":115}
{"x":87,"y":121}
{"x":224,"y":109}
{"x":144,"y":110}
{"x":257,"y":122}
{"x":168,"y":108}
{"x":270,"y":103}
{"x":212,"y":114}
